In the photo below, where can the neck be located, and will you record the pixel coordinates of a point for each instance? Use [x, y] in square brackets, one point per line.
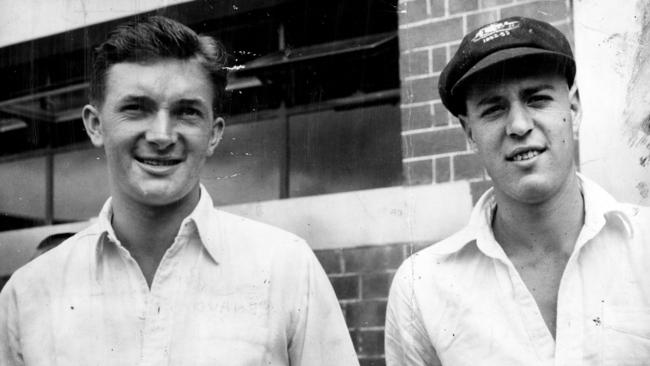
[148, 229]
[549, 226]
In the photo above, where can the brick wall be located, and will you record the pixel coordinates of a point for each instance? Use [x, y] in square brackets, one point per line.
[361, 278]
[434, 145]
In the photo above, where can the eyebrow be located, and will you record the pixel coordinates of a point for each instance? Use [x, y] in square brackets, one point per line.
[144, 99]
[191, 102]
[536, 89]
[491, 99]
[130, 98]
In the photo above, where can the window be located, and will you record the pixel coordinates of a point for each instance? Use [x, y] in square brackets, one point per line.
[313, 107]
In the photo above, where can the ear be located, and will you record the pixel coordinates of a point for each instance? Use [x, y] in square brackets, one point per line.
[216, 132]
[93, 124]
[468, 132]
[576, 109]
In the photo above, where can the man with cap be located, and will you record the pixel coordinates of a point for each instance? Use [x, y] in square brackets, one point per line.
[164, 278]
[550, 270]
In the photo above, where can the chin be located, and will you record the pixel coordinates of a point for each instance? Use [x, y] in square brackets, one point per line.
[532, 190]
[164, 193]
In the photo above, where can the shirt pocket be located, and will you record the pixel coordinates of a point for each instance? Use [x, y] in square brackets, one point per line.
[228, 344]
[626, 335]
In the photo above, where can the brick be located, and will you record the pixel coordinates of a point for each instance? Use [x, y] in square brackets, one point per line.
[438, 59]
[434, 142]
[346, 287]
[443, 169]
[414, 63]
[370, 313]
[467, 166]
[370, 342]
[376, 285]
[455, 121]
[372, 258]
[330, 260]
[418, 172]
[373, 361]
[413, 11]
[461, 6]
[437, 8]
[490, 3]
[416, 117]
[440, 115]
[478, 188]
[548, 11]
[354, 337]
[431, 34]
[452, 50]
[420, 90]
[479, 19]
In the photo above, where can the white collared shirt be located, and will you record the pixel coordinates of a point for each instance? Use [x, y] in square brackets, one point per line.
[462, 302]
[229, 291]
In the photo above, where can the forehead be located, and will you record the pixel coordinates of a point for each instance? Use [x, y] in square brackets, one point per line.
[165, 79]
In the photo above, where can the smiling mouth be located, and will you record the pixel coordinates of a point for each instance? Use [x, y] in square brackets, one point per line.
[158, 162]
[525, 155]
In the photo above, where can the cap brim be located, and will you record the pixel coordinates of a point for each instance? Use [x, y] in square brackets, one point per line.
[502, 56]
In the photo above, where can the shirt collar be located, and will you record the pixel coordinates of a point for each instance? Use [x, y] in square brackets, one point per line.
[600, 209]
[201, 220]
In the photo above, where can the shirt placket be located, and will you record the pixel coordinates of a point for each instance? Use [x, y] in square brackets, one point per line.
[158, 318]
[541, 340]
[569, 331]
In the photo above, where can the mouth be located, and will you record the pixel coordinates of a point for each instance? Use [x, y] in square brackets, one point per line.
[523, 154]
[158, 161]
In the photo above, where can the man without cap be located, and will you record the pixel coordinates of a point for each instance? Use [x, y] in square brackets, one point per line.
[163, 278]
[550, 270]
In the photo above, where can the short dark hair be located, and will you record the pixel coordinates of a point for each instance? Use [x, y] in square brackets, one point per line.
[154, 38]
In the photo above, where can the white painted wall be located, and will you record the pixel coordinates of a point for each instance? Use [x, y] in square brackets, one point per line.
[391, 215]
[612, 40]
[22, 20]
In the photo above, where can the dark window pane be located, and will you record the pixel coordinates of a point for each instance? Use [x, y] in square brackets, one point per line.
[336, 151]
[80, 184]
[22, 192]
[246, 165]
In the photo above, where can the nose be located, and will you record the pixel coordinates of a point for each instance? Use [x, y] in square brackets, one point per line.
[520, 122]
[161, 130]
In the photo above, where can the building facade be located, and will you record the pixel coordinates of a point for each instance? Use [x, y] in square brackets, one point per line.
[335, 131]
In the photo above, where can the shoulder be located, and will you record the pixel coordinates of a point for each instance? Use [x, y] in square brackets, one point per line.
[438, 265]
[255, 231]
[257, 239]
[48, 268]
[442, 253]
[638, 219]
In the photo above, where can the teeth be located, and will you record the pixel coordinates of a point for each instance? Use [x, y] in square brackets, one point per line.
[525, 156]
[159, 162]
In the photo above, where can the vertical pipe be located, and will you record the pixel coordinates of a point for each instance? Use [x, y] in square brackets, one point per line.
[284, 158]
[284, 120]
[49, 187]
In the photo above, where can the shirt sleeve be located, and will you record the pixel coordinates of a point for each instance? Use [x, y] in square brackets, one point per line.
[10, 353]
[321, 336]
[406, 340]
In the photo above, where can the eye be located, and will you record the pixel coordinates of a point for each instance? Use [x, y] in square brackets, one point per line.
[492, 111]
[131, 108]
[190, 112]
[539, 100]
